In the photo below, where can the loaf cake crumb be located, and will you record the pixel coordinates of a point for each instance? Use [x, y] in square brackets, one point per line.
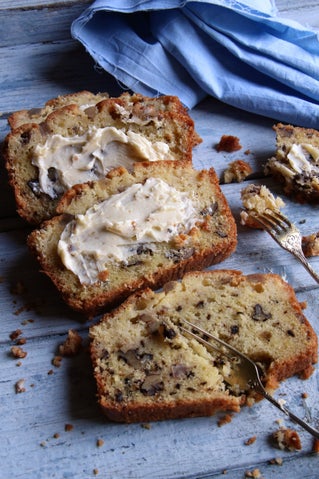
[15, 334]
[18, 352]
[250, 441]
[315, 446]
[310, 244]
[255, 474]
[99, 443]
[278, 461]
[228, 143]
[237, 171]
[56, 361]
[20, 386]
[227, 418]
[287, 438]
[72, 345]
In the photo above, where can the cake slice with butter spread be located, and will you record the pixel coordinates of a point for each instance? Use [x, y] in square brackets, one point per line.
[132, 230]
[78, 143]
[296, 164]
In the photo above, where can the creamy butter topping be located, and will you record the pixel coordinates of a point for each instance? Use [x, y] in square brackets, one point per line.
[66, 161]
[301, 158]
[123, 225]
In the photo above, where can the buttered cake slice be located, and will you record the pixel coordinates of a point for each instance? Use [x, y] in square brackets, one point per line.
[74, 145]
[296, 163]
[132, 230]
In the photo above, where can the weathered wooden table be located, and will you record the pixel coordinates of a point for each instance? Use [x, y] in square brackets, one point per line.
[53, 428]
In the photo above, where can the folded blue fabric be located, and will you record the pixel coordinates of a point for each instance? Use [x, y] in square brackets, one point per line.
[237, 51]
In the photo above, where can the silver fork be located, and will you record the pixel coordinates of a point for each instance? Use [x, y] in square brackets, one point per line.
[286, 234]
[247, 374]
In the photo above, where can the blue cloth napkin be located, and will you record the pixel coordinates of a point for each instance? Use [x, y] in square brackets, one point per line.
[237, 51]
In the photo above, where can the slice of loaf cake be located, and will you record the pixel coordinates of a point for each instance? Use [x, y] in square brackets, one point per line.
[296, 164]
[133, 230]
[147, 369]
[75, 145]
[84, 99]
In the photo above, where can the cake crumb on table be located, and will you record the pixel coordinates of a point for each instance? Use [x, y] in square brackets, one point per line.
[250, 441]
[19, 386]
[228, 143]
[277, 460]
[255, 474]
[56, 361]
[68, 427]
[225, 419]
[237, 171]
[99, 442]
[315, 446]
[15, 334]
[18, 352]
[71, 345]
[286, 438]
[146, 425]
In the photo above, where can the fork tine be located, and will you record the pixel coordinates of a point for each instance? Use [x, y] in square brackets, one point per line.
[279, 216]
[272, 220]
[203, 341]
[267, 222]
[214, 338]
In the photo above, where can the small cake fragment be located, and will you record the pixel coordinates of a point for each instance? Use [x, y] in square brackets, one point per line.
[296, 163]
[71, 345]
[310, 244]
[237, 171]
[287, 438]
[257, 199]
[228, 143]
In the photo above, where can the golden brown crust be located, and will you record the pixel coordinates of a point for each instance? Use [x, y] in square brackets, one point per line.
[212, 241]
[258, 314]
[38, 115]
[128, 112]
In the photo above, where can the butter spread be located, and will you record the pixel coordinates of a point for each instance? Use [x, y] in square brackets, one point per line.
[123, 225]
[301, 158]
[66, 161]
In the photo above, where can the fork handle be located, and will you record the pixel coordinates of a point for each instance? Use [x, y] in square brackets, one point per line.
[307, 265]
[292, 416]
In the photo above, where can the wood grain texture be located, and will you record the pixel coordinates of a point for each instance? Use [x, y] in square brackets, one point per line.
[37, 64]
